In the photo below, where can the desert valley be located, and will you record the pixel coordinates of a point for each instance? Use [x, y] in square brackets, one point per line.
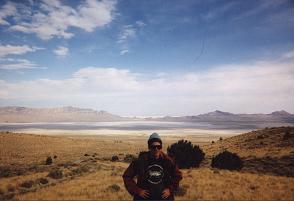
[67, 165]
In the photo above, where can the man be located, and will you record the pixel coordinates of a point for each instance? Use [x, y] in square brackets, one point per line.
[157, 174]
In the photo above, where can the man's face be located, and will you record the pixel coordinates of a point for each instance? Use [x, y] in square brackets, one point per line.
[155, 148]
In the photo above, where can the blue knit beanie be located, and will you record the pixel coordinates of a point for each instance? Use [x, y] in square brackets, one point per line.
[154, 137]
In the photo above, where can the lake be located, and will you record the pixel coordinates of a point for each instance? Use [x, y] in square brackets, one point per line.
[125, 125]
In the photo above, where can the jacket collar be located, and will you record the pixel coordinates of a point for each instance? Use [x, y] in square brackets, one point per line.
[161, 156]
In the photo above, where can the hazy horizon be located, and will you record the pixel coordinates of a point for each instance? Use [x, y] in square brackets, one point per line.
[144, 116]
[148, 58]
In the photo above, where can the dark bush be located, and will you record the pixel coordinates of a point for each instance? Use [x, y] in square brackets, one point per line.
[227, 160]
[10, 188]
[220, 138]
[55, 157]
[80, 170]
[49, 160]
[287, 134]
[33, 167]
[212, 142]
[260, 136]
[66, 164]
[114, 158]
[76, 171]
[43, 181]
[186, 154]
[85, 168]
[55, 174]
[5, 172]
[20, 172]
[27, 184]
[86, 155]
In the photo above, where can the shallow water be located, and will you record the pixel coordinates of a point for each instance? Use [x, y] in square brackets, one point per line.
[136, 127]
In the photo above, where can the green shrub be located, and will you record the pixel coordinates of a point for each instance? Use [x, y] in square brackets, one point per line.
[55, 174]
[80, 170]
[49, 160]
[27, 184]
[5, 172]
[114, 158]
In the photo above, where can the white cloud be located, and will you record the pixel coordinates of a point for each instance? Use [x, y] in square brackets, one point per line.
[263, 86]
[140, 23]
[61, 51]
[123, 52]
[262, 7]
[221, 10]
[16, 49]
[127, 33]
[9, 9]
[107, 80]
[53, 19]
[17, 64]
[289, 55]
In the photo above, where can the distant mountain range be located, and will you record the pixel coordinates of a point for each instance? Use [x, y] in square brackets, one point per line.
[60, 114]
[219, 116]
[74, 114]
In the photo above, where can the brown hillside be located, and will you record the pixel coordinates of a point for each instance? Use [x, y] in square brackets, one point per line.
[269, 150]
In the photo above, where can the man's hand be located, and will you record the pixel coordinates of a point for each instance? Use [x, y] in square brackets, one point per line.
[144, 193]
[165, 193]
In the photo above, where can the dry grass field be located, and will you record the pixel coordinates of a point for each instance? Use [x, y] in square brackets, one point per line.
[83, 170]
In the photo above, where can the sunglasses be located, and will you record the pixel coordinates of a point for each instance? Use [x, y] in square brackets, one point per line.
[156, 147]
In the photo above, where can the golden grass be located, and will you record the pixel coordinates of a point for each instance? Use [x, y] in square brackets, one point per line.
[34, 149]
[201, 184]
[93, 186]
[21, 150]
[207, 184]
[261, 143]
[14, 182]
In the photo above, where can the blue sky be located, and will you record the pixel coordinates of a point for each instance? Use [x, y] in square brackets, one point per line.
[159, 57]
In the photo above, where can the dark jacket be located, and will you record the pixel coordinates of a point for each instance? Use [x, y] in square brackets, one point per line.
[164, 174]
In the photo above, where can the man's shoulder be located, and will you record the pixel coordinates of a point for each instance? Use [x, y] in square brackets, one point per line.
[143, 155]
[168, 158]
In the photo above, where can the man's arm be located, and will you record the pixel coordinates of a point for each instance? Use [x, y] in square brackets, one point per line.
[176, 177]
[128, 178]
